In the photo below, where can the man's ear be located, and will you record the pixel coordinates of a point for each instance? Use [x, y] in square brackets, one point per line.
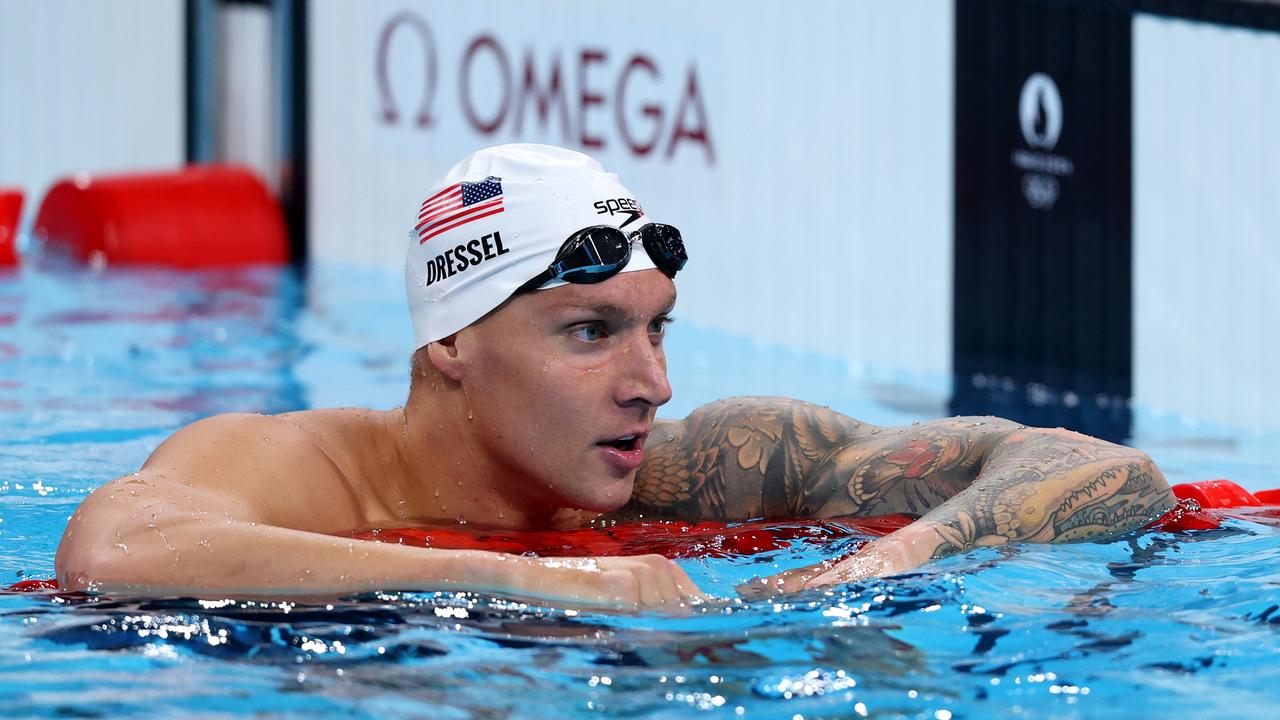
[446, 357]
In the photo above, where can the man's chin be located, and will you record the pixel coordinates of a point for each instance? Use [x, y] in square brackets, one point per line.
[609, 494]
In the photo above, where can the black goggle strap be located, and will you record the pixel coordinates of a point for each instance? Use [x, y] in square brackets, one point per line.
[543, 278]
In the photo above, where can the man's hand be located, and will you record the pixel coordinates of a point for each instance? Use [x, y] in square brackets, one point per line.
[1034, 486]
[899, 552]
[893, 554]
[640, 581]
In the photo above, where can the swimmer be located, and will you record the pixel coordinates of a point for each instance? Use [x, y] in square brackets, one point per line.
[540, 292]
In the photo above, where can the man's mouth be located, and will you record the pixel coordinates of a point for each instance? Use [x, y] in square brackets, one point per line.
[624, 453]
[625, 443]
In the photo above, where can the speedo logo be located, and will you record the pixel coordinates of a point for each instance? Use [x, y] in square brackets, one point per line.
[625, 206]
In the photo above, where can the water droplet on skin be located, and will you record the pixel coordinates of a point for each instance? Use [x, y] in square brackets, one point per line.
[875, 431]
[471, 415]
[462, 520]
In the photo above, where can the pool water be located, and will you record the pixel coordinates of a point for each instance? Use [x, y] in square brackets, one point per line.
[97, 368]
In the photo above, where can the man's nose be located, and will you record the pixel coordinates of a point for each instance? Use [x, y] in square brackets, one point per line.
[644, 374]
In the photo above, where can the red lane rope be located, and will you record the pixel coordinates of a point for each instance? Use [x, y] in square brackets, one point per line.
[10, 214]
[201, 216]
[1201, 506]
[33, 586]
[672, 538]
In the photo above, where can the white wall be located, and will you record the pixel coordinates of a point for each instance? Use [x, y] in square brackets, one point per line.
[1206, 220]
[88, 86]
[824, 219]
[245, 123]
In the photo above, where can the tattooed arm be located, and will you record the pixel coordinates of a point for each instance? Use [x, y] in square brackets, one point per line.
[973, 481]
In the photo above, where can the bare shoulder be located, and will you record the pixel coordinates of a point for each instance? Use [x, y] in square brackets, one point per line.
[273, 469]
[234, 468]
[214, 445]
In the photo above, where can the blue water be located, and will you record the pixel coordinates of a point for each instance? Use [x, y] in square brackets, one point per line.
[97, 368]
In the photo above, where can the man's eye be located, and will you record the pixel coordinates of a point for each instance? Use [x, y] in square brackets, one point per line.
[592, 332]
[659, 325]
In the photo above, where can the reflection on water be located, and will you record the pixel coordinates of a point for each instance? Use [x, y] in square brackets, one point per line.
[990, 630]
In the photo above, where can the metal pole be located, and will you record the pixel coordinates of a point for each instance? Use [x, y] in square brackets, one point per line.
[290, 50]
[201, 28]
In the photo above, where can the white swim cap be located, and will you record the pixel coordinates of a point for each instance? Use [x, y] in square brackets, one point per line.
[495, 221]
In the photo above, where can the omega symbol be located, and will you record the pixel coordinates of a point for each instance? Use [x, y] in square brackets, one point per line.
[390, 113]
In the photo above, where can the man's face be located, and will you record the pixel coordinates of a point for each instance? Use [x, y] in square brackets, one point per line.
[563, 385]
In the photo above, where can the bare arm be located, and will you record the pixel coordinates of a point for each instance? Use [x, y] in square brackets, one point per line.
[974, 481]
[190, 523]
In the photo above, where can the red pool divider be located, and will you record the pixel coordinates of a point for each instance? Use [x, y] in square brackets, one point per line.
[1201, 506]
[672, 538]
[1217, 494]
[34, 586]
[1268, 497]
[198, 217]
[10, 213]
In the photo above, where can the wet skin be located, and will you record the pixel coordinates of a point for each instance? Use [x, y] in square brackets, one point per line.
[534, 417]
[547, 382]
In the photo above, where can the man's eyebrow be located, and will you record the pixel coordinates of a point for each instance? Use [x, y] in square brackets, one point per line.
[611, 310]
[608, 309]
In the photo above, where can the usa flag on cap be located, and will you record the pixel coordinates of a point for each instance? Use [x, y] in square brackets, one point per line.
[457, 205]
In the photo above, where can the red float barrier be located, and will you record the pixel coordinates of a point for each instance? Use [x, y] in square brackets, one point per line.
[34, 586]
[1216, 494]
[672, 538]
[10, 213]
[1202, 506]
[1268, 497]
[198, 217]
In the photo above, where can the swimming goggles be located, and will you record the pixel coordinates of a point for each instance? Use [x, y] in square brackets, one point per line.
[595, 254]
